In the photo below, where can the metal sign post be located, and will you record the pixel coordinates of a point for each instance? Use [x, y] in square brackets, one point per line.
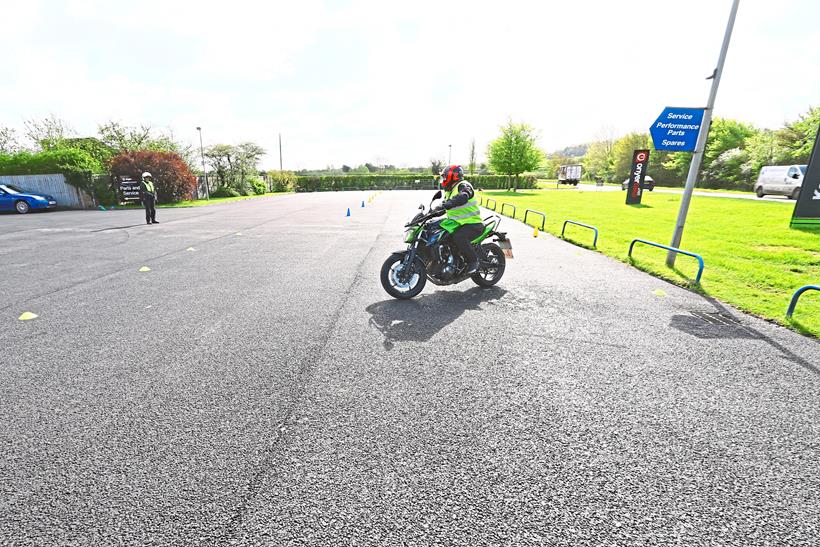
[697, 158]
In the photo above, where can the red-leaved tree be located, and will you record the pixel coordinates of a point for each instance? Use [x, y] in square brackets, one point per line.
[172, 178]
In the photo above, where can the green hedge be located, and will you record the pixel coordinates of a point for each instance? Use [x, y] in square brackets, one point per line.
[390, 182]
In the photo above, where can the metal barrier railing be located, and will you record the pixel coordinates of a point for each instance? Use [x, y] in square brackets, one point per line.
[480, 200]
[487, 203]
[673, 249]
[543, 217]
[506, 205]
[796, 297]
[593, 228]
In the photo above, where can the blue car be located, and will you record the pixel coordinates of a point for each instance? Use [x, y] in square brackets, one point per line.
[14, 199]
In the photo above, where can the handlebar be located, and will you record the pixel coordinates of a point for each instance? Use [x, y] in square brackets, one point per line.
[424, 218]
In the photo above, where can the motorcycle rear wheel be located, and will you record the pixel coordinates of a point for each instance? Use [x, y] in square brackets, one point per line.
[492, 269]
[403, 287]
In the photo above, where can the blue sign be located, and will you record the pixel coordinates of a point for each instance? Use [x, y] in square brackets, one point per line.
[677, 129]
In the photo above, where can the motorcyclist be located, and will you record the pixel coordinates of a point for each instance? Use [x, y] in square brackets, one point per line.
[461, 206]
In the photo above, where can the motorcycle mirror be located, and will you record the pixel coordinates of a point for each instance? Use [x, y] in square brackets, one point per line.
[437, 195]
[421, 206]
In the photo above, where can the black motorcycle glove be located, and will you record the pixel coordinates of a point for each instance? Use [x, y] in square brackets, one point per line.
[439, 210]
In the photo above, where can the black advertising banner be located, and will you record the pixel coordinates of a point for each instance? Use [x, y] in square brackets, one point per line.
[129, 189]
[807, 208]
[640, 163]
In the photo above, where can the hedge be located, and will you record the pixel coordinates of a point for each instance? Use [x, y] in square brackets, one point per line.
[390, 182]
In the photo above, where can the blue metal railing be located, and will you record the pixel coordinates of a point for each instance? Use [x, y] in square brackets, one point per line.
[506, 205]
[487, 203]
[796, 297]
[673, 249]
[543, 217]
[593, 228]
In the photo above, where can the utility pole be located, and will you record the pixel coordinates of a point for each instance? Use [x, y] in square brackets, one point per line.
[204, 171]
[450, 154]
[280, 152]
[697, 158]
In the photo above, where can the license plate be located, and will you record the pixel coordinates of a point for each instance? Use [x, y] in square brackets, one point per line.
[506, 247]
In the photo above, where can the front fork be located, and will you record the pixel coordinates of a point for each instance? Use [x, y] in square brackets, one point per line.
[404, 273]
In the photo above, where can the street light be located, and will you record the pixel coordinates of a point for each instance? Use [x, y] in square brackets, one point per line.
[204, 172]
[449, 154]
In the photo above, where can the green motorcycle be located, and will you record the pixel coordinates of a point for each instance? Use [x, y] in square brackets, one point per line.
[431, 254]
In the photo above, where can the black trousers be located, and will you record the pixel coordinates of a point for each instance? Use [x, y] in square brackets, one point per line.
[462, 238]
[150, 208]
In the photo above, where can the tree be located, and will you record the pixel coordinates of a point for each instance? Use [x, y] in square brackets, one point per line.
[599, 160]
[436, 166]
[93, 146]
[515, 151]
[8, 141]
[346, 169]
[124, 138]
[247, 156]
[622, 150]
[798, 136]
[47, 133]
[220, 157]
[472, 156]
[233, 164]
[172, 178]
[371, 168]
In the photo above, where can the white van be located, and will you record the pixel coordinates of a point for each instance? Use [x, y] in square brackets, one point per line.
[784, 180]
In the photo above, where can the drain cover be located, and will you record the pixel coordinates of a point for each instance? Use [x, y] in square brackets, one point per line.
[716, 318]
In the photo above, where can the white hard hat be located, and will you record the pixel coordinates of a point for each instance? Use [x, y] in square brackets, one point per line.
[146, 175]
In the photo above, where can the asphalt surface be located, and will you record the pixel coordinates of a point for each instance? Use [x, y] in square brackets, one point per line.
[262, 389]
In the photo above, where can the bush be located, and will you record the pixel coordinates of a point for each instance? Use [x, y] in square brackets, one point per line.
[388, 182]
[281, 181]
[172, 178]
[258, 186]
[225, 192]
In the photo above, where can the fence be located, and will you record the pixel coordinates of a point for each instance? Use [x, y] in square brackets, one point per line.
[65, 194]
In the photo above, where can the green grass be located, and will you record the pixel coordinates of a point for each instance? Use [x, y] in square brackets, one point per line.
[201, 202]
[754, 261]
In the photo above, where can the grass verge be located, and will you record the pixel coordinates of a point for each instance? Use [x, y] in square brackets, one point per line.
[754, 261]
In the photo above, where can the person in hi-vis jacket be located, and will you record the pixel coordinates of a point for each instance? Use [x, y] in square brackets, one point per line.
[149, 198]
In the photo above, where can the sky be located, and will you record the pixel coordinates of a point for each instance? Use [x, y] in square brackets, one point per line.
[397, 82]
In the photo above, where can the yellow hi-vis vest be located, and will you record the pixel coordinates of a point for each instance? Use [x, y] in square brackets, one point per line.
[469, 213]
[149, 187]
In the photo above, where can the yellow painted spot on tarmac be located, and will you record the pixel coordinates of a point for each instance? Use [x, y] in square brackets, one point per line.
[659, 292]
[239, 233]
[145, 269]
[190, 249]
[27, 316]
[535, 232]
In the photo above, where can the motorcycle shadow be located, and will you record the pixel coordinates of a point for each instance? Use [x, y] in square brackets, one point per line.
[421, 318]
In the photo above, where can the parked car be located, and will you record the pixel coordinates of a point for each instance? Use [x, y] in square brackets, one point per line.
[569, 174]
[784, 180]
[648, 183]
[14, 199]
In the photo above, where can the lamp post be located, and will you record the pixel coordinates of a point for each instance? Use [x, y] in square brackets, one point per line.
[449, 154]
[204, 172]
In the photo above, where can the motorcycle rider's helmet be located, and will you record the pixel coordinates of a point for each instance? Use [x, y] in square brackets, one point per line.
[146, 175]
[451, 175]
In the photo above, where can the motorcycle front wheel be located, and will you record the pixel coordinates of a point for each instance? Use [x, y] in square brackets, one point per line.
[491, 268]
[403, 284]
